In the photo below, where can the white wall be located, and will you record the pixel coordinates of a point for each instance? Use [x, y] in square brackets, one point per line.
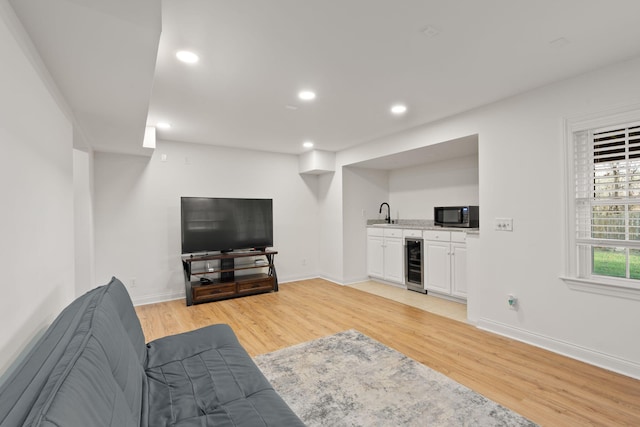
[363, 191]
[521, 175]
[83, 223]
[330, 226]
[36, 188]
[414, 191]
[137, 211]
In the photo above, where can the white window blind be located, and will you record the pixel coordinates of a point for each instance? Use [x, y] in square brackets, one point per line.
[607, 201]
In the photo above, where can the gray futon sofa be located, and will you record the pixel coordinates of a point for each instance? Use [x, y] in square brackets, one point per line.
[92, 368]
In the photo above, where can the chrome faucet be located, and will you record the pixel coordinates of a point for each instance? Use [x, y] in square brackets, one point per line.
[388, 217]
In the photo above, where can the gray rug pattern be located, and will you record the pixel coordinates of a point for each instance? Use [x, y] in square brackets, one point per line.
[349, 379]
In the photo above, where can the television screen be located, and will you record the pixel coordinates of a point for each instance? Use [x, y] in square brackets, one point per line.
[225, 224]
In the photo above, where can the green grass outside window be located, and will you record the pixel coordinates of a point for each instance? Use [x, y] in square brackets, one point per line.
[613, 262]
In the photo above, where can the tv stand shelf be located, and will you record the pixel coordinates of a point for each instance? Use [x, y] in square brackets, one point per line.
[228, 285]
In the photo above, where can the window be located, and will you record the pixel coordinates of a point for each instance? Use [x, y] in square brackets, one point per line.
[604, 205]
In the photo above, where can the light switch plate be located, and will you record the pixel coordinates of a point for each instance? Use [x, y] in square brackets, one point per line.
[504, 224]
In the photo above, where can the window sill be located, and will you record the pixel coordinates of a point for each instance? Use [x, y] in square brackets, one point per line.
[602, 288]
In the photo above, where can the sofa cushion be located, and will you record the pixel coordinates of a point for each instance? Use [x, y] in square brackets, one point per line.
[205, 378]
[91, 366]
[86, 370]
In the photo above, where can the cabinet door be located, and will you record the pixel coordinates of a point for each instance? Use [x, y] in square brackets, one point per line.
[375, 256]
[459, 270]
[438, 266]
[393, 260]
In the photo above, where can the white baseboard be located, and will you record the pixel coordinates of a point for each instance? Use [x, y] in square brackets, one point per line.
[447, 297]
[290, 279]
[592, 357]
[354, 280]
[155, 298]
[330, 279]
[318, 276]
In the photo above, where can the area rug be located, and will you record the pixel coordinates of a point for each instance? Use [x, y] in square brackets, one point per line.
[349, 379]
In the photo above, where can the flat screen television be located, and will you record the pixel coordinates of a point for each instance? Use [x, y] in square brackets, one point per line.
[225, 224]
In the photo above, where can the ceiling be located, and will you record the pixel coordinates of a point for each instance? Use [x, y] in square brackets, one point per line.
[118, 73]
[101, 55]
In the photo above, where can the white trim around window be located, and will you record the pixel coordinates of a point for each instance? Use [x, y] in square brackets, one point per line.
[578, 269]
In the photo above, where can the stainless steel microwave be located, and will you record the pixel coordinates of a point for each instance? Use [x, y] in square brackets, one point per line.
[457, 216]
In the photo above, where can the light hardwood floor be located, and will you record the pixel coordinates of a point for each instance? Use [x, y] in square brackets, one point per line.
[443, 307]
[545, 387]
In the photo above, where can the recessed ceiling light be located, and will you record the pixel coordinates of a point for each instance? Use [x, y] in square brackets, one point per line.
[163, 125]
[186, 56]
[307, 144]
[399, 109]
[307, 95]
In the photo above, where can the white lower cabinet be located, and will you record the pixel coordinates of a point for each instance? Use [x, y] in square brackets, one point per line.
[393, 259]
[446, 262]
[375, 255]
[385, 254]
[437, 266]
[459, 270]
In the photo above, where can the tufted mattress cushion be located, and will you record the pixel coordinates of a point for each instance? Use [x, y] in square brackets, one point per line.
[205, 378]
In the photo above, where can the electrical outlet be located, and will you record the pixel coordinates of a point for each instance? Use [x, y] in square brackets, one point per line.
[512, 301]
[133, 282]
[504, 224]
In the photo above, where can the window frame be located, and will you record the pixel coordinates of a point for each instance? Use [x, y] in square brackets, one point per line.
[578, 269]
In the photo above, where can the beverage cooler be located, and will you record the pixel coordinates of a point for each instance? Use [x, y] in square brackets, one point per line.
[414, 265]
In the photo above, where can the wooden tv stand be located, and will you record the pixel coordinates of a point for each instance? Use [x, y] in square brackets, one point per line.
[227, 284]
